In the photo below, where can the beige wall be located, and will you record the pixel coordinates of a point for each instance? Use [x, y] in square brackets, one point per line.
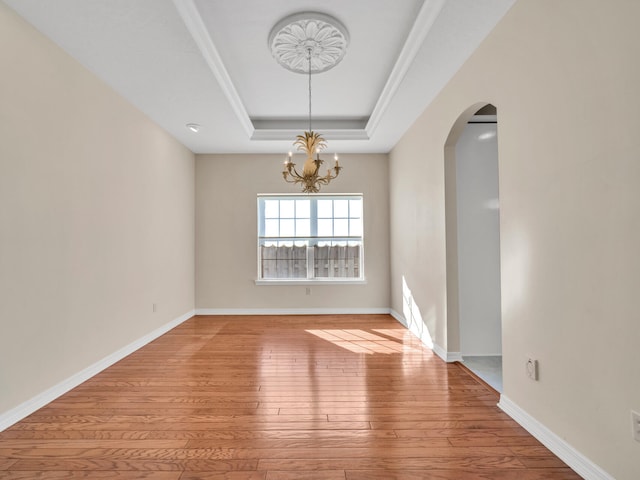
[96, 218]
[564, 76]
[226, 229]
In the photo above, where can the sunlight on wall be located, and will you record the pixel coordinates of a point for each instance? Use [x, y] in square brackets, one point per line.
[413, 317]
[516, 263]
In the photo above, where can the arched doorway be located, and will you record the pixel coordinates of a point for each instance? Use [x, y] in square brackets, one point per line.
[474, 327]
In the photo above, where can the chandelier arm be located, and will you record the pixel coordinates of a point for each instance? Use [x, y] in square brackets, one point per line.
[286, 174]
[328, 177]
[291, 170]
[291, 181]
[325, 180]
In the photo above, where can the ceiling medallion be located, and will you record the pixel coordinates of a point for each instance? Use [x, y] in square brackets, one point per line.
[293, 37]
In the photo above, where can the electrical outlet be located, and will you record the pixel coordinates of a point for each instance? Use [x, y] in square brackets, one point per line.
[532, 369]
[635, 420]
[308, 290]
[154, 307]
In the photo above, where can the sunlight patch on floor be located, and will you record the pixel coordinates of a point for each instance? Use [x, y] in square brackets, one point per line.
[360, 341]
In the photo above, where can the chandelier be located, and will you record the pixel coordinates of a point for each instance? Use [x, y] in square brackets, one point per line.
[317, 42]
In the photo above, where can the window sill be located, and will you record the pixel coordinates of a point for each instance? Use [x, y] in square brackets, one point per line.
[304, 281]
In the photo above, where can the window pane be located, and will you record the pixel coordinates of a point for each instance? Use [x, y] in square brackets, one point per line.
[303, 227]
[295, 218]
[284, 261]
[271, 228]
[325, 227]
[287, 208]
[341, 227]
[303, 208]
[287, 228]
[325, 209]
[341, 208]
[355, 227]
[337, 261]
[271, 208]
[355, 207]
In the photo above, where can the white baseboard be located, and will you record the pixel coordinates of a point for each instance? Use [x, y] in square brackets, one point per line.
[569, 455]
[448, 357]
[292, 311]
[424, 337]
[27, 408]
[398, 317]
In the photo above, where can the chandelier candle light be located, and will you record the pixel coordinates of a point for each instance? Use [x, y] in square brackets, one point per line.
[324, 40]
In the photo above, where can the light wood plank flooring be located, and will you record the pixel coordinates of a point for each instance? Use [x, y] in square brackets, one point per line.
[278, 397]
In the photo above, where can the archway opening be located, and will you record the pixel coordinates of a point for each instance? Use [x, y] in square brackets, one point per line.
[474, 325]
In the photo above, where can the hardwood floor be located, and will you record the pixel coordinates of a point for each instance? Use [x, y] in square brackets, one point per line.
[278, 398]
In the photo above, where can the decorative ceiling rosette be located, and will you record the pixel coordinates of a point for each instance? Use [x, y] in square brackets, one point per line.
[295, 36]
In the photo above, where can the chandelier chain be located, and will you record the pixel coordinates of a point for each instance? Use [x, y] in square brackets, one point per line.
[309, 62]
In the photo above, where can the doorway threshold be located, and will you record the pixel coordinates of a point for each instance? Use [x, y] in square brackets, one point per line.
[487, 368]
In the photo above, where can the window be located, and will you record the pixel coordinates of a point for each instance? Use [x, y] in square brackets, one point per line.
[302, 237]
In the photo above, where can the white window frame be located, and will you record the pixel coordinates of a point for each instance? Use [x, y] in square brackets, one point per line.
[311, 239]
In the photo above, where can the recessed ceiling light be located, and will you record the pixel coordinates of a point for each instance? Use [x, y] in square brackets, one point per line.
[194, 127]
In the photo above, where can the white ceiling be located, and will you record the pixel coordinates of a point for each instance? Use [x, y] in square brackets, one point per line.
[207, 62]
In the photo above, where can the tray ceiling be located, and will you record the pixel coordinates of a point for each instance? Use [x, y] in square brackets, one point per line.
[208, 62]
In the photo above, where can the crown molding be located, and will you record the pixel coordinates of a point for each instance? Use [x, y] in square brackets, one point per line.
[422, 26]
[425, 19]
[328, 134]
[196, 27]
